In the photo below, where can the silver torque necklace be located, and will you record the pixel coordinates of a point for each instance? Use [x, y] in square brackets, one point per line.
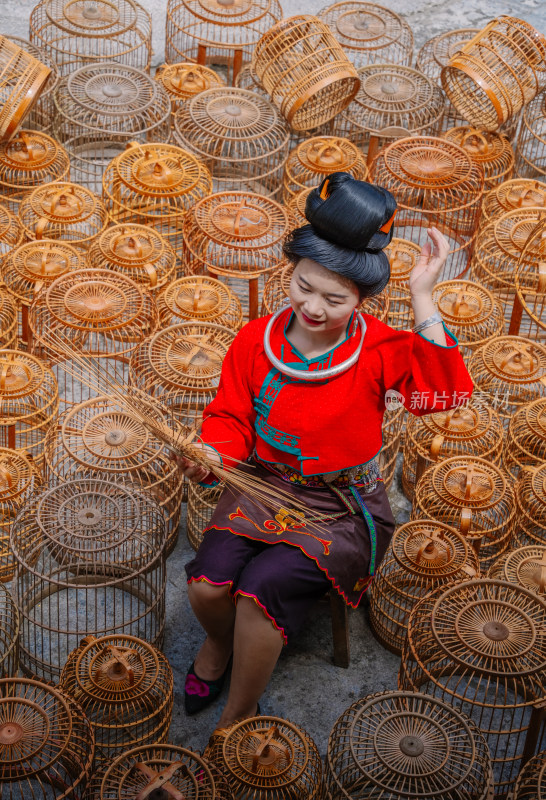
[318, 374]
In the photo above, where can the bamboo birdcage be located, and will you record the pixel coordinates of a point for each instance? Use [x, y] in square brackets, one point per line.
[240, 137]
[20, 479]
[479, 645]
[497, 72]
[100, 108]
[155, 185]
[137, 251]
[30, 159]
[125, 687]
[32, 266]
[99, 438]
[11, 233]
[393, 745]
[184, 80]
[296, 204]
[246, 79]
[202, 501]
[22, 80]
[8, 321]
[526, 437]
[392, 431]
[516, 193]
[79, 32]
[422, 556]
[531, 142]
[40, 117]
[531, 782]
[46, 743]
[29, 402]
[475, 497]
[472, 429]
[369, 33]
[491, 150]
[529, 311]
[304, 69]
[200, 298]
[524, 566]
[275, 294]
[531, 504]
[9, 634]
[315, 158]
[435, 183]
[508, 372]
[403, 256]
[90, 561]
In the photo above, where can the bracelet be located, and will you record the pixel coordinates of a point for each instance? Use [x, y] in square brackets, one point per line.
[432, 320]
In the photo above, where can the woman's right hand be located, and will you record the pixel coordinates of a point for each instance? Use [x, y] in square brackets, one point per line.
[193, 471]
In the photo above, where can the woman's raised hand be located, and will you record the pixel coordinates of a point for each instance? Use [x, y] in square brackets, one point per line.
[432, 258]
[195, 472]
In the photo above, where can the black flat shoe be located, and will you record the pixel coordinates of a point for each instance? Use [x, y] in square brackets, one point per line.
[199, 693]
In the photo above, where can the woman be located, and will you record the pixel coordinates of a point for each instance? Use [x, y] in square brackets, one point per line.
[302, 395]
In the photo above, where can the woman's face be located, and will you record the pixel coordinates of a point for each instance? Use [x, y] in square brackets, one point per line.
[322, 300]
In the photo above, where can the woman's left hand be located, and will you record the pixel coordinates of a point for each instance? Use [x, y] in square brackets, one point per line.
[432, 258]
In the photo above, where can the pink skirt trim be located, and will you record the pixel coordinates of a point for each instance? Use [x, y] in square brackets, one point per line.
[265, 611]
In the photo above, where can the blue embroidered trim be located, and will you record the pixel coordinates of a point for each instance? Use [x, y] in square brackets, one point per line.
[443, 346]
[371, 527]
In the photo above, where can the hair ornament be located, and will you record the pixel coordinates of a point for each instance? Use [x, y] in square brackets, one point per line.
[324, 191]
[388, 224]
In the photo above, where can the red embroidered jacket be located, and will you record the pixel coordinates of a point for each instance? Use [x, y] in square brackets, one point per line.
[336, 423]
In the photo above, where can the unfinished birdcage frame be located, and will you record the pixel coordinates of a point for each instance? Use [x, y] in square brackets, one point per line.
[524, 566]
[20, 479]
[530, 146]
[490, 149]
[202, 501]
[184, 80]
[9, 634]
[531, 505]
[516, 193]
[200, 298]
[529, 310]
[40, 117]
[30, 159]
[8, 321]
[526, 437]
[531, 782]
[23, 79]
[315, 158]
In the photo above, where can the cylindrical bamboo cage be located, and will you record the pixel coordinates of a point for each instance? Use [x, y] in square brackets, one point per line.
[392, 432]
[315, 158]
[40, 117]
[22, 80]
[11, 233]
[9, 634]
[531, 782]
[90, 561]
[99, 438]
[422, 556]
[508, 372]
[125, 687]
[274, 294]
[472, 429]
[526, 437]
[30, 159]
[200, 298]
[394, 745]
[155, 185]
[137, 251]
[184, 80]
[517, 193]
[210, 32]
[8, 321]
[525, 566]
[491, 150]
[529, 311]
[100, 108]
[497, 72]
[369, 33]
[474, 496]
[403, 256]
[304, 69]
[531, 142]
[83, 32]
[46, 743]
[202, 501]
[19, 481]
[29, 268]
[240, 137]
[479, 645]
[531, 505]
[29, 402]
[435, 183]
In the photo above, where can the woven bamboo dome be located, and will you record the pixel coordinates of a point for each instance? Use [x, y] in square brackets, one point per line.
[391, 745]
[529, 311]
[200, 298]
[516, 193]
[526, 437]
[137, 251]
[32, 266]
[435, 183]
[40, 117]
[19, 480]
[155, 185]
[369, 33]
[240, 137]
[90, 561]
[125, 687]
[11, 232]
[315, 158]
[491, 150]
[29, 401]
[422, 556]
[473, 429]
[81, 32]
[102, 107]
[23, 79]
[184, 80]
[531, 782]
[98, 438]
[9, 634]
[403, 256]
[525, 566]
[474, 496]
[531, 142]
[497, 72]
[508, 372]
[8, 321]
[30, 159]
[46, 743]
[392, 432]
[393, 102]
[479, 644]
[531, 504]
[306, 72]
[202, 501]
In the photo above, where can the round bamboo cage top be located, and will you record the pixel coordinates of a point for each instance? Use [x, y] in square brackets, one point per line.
[237, 234]
[491, 150]
[435, 54]
[41, 115]
[137, 251]
[8, 321]
[531, 502]
[200, 298]
[11, 232]
[184, 80]
[63, 210]
[369, 33]
[9, 633]
[23, 79]
[33, 265]
[432, 551]
[472, 312]
[510, 195]
[497, 72]
[125, 687]
[313, 159]
[530, 282]
[305, 71]
[526, 437]
[28, 160]
[391, 745]
[525, 566]
[19, 480]
[46, 742]
[531, 782]
[81, 32]
[531, 141]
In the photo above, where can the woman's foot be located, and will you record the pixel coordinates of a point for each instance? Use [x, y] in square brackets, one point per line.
[205, 678]
[212, 660]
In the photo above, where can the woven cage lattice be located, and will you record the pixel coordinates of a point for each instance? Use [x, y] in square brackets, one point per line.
[19, 480]
[23, 77]
[531, 142]
[529, 311]
[526, 437]
[531, 782]
[516, 193]
[403, 256]
[202, 501]
[200, 298]
[9, 634]
[492, 151]
[525, 566]
[531, 504]
[184, 80]
[8, 321]
[40, 117]
[11, 232]
[315, 158]
[392, 432]
[28, 160]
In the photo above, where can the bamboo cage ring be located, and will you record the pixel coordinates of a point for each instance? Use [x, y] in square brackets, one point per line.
[23, 79]
[40, 117]
[19, 480]
[531, 782]
[525, 566]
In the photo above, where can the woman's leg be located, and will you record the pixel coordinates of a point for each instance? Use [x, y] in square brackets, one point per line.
[215, 610]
